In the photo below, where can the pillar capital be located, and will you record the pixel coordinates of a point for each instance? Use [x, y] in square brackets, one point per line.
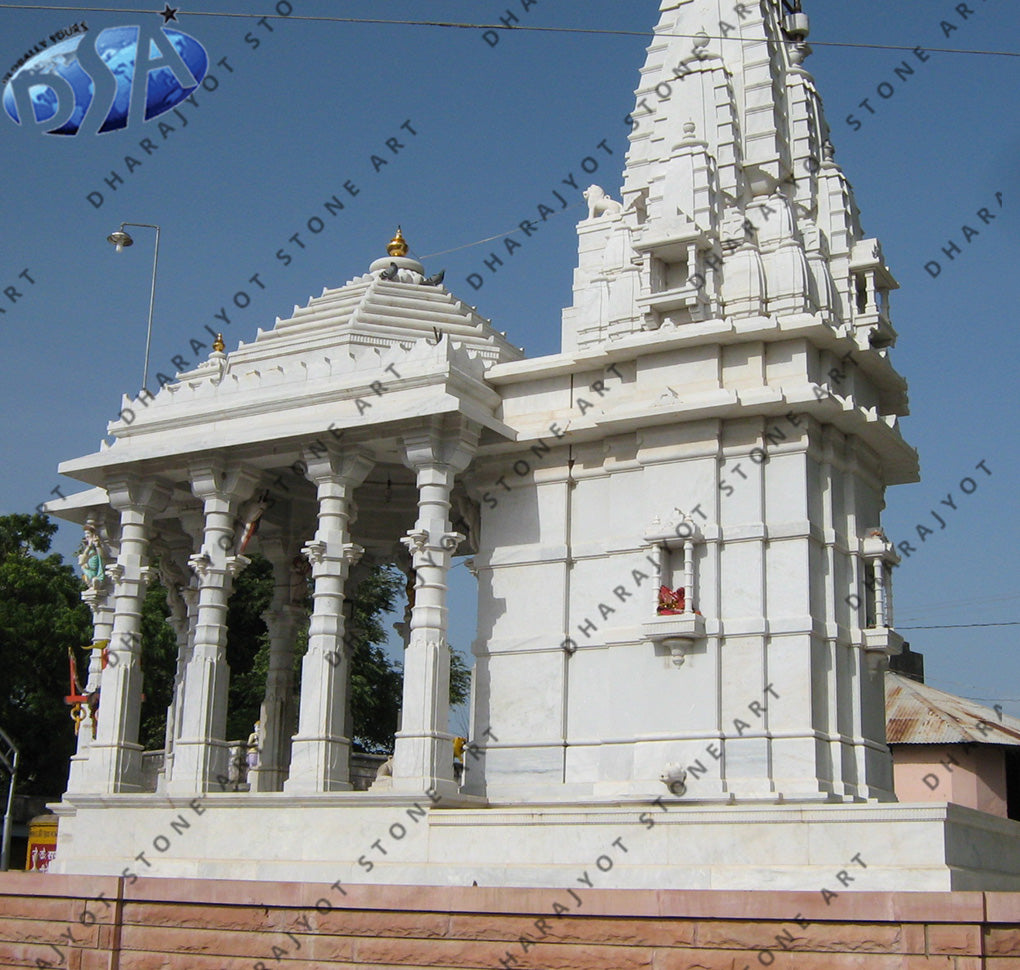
[133, 493]
[333, 465]
[214, 479]
[434, 445]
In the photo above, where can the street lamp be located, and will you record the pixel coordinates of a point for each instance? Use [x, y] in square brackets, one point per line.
[122, 240]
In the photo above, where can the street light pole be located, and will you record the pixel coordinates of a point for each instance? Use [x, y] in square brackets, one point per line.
[9, 760]
[121, 239]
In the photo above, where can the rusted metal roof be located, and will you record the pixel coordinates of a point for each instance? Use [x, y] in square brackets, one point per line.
[918, 714]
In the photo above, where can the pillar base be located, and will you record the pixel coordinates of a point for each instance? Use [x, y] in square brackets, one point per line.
[435, 789]
[111, 768]
[77, 777]
[199, 766]
[266, 779]
[424, 762]
[319, 764]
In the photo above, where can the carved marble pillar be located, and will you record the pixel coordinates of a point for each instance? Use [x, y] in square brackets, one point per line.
[200, 752]
[182, 600]
[98, 594]
[423, 755]
[283, 619]
[183, 627]
[320, 750]
[114, 761]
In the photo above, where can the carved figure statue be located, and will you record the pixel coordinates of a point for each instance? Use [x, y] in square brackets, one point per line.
[93, 703]
[674, 777]
[90, 556]
[254, 743]
[671, 601]
[236, 765]
[599, 203]
[250, 518]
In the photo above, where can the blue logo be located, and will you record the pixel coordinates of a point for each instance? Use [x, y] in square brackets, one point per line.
[107, 76]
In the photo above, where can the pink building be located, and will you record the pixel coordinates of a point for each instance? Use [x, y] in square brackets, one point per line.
[948, 749]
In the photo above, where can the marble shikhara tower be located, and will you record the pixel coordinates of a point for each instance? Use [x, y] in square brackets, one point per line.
[684, 591]
[728, 356]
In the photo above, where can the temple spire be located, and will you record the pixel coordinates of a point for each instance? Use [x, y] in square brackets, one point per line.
[733, 204]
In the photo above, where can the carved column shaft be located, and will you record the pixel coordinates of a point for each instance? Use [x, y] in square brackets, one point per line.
[423, 755]
[99, 598]
[214, 567]
[183, 623]
[200, 752]
[282, 621]
[431, 544]
[114, 763]
[320, 751]
[878, 572]
[688, 576]
[887, 597]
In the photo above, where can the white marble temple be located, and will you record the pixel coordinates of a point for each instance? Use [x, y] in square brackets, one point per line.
[722, 421]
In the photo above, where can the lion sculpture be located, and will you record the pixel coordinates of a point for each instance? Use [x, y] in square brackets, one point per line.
[599, 203]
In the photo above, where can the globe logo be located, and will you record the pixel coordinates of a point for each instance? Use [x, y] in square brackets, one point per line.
[106, 76]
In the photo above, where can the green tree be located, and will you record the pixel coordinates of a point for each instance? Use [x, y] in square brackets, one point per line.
[41, 616]
[376, 681]
[159, 666]
[248, 646]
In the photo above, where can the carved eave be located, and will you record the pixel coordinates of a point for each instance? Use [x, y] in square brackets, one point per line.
[670, 239]
[623, 411]
[79, 507]
[272, 419]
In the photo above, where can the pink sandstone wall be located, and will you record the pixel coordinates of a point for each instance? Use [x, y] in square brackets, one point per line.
[950, 773]
[103, 923]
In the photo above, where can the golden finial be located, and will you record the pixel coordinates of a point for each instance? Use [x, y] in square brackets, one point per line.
[218, 345]
[398, 245]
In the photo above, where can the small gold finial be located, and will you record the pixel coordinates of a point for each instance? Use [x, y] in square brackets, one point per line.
[218, 345]
[398, 245]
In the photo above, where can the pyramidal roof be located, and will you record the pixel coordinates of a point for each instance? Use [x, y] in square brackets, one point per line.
[392, 305]
[336, 348]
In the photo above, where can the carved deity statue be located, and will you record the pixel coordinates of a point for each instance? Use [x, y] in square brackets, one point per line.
[91, 556]
[254, 744]
[670, 601]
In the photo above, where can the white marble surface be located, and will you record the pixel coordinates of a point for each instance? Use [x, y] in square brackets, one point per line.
[921, 847]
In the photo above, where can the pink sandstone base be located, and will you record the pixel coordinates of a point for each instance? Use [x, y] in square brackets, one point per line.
[105, 923]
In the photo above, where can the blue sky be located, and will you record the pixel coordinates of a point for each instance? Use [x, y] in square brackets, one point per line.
[292, 121]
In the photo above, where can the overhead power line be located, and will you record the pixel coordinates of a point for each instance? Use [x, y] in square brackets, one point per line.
[457, 25]
[958, 626]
